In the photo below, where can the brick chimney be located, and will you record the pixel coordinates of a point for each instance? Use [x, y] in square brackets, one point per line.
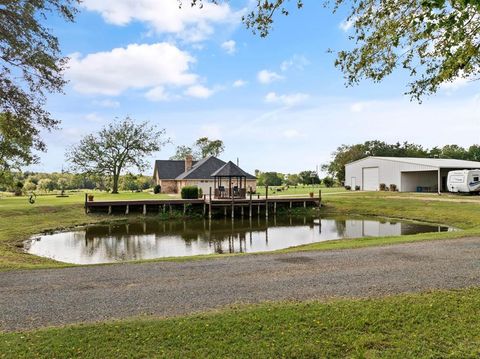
[188, 162]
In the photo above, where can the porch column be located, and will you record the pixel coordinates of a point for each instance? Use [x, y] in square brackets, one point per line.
[439, 179]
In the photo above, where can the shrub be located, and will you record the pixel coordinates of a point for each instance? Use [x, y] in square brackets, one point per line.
[357, 188]
[383, 187]
[328, 182]
[200, 193]
[348, 188]
[190, 192]
[393, 187]
[157, 189]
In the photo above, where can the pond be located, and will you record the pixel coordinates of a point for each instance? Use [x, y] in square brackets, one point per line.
[158, 239]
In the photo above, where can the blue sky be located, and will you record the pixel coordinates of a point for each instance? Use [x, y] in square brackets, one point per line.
[278, 103]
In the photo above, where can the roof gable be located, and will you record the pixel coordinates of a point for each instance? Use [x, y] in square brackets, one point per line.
[169, 169]
[203, 169]
[230, 169]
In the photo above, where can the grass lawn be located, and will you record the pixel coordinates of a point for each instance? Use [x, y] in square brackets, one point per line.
[20, 220]
[429, 325]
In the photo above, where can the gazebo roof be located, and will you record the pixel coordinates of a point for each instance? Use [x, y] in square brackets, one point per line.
[230, 169]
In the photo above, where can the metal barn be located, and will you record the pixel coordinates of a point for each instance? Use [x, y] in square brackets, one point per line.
[408, 174]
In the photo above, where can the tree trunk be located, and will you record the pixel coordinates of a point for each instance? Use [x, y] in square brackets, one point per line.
[115, 183]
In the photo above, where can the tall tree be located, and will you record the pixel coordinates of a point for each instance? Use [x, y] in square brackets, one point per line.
[207, 147]
[181, 152]
[202, 148]
[436, 41]
[119, 146]
[31, 66]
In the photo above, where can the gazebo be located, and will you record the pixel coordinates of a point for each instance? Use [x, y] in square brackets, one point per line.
[230, 181]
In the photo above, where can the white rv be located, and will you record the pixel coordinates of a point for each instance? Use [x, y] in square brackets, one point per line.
[466, 181]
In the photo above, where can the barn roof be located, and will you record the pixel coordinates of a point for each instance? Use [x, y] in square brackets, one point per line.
[430, 162]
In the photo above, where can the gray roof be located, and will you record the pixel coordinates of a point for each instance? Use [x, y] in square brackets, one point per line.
[169, 169]
[433, 162]
[230, 169]
[203, 169]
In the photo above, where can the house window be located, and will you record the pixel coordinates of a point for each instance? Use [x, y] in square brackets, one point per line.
[475, 179]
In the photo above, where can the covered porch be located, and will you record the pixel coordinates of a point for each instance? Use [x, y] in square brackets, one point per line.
[230, 182]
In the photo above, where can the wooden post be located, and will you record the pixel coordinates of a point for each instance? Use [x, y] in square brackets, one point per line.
[290, 204]
[127, 208]
[86, 205]
[204, 208]
[144, 209]
[304, 204]
[184, 209]
[250, 204]
[164, 208]
[319, 198]
[266, 201]
[210, 204]
[274, 207]
[109, 209]
[242, 211]
[225, 211]
[231, 195]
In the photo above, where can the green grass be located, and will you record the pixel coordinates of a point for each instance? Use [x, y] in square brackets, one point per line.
[429, 325]
[19, 220]
[300, 190]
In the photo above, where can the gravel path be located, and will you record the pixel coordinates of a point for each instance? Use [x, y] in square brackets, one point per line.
[31, 299]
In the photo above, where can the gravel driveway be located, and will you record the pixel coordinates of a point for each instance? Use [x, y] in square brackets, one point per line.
[31, 299]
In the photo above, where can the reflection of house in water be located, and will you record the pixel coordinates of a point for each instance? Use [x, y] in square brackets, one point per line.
[223, 237]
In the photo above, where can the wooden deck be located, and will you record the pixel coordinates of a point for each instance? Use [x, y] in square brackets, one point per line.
[239, 207]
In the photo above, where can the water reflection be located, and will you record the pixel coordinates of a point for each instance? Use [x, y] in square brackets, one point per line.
[145, 240]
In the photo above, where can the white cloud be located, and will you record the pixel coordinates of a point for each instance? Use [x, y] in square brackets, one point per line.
[191, 23]
[199, 91]
[94, 117]
[454, 85]
[239, 83]
[229, 47]
[108, 103]
[361, 106]
[296, 61]
[157, 94]
[134, 67]
[291, 133]
[266, 76]
[286, 100]
[346, 24]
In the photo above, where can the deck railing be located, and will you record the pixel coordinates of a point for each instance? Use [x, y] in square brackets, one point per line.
[237, 193]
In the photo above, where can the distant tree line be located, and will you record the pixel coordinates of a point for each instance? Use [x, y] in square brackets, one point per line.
[26, 182]
[291, 179]
[349, 153]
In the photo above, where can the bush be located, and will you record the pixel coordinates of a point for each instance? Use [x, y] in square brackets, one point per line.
[200, 193]
[357, 188]
[157, 189]
[328, 182]
[393, 187]
[190, 192]
[383, 187]
[348, 188]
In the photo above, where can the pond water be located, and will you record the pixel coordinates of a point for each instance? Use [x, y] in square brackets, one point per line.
[149, 239]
